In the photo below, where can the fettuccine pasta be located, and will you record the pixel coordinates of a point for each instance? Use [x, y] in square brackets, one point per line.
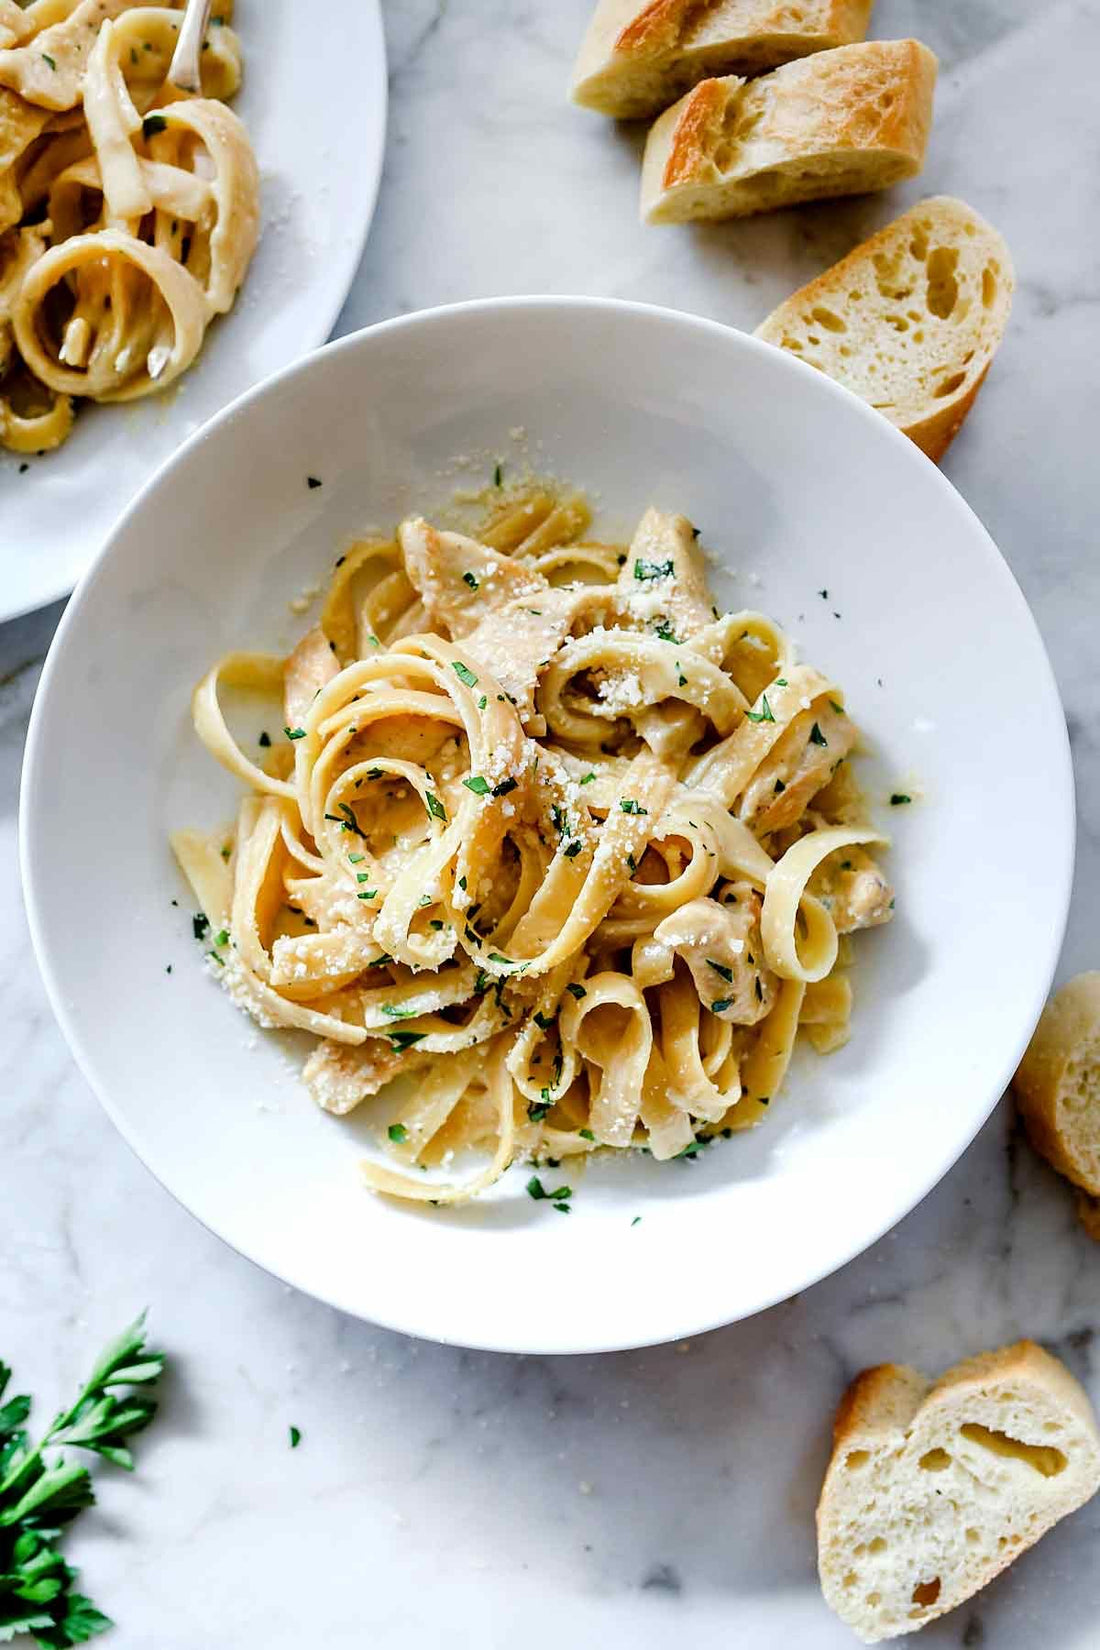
[546, 836]
[129, 211]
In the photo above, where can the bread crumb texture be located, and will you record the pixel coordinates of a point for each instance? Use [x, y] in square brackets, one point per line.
[935, 1487]
[910, 320]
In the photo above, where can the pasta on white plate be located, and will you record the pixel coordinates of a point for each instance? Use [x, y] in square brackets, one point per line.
[546, 833]
[129, 211]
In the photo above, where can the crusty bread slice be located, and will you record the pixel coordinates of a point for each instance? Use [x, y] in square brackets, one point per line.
[1057, 1086]
[910, 320]
[933, 1489]
[639, 56]
[837, 123]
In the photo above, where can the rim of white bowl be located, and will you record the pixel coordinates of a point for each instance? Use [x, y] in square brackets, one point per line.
[815, 1272]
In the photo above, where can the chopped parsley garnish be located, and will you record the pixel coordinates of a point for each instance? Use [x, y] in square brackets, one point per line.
[482, 702]
[477, 784]
[435, 923]
[899, 799]
[666, 635]
[630, 806]
[368, 893]
[152, 124]
[357, 859]
[696, 1146]
[632, 862]
[721, 1005]
[498, 476]
[295, 1437]
[226, 851]
[573, 848]
[396, 1012]
[720, 968]
[759, 989]
[537, 1110]
[683, 680]
[349, 821]
[50, 61]
[653, 570]
[265, 740]
[824, 594]
[434, 806]
[636, 1220]
[425, 899]
[200, 923]
[313, 481]
[764, 714]
[588, 778]
[816, 736]
[576, 990]
[586, 1134]
[779, 787]
[397, 1133]
[404, 1039]
[781, 681]
[295, 733]
[376, 773]
[472, 580]
[537, 1190]
[462, 883]
[504, 787]
[541, 1020]
[362, 876]
[464, 673]
[838, 708]
[506, 962]
[222, 937]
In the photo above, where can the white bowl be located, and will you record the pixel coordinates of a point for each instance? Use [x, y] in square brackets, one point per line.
[802, 490]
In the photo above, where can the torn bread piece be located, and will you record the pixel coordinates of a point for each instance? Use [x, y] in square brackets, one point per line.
[910, 320]
[1057, 1086]
[636, 59]
[935, 1487]
[838, 123]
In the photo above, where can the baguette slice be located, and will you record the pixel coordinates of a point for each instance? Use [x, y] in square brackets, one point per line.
[910, 320]
[836, 123]
[640, 55]
[934, 1488]
[1057, 1086]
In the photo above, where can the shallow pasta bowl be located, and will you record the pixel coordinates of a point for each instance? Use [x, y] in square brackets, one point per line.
[817, 512]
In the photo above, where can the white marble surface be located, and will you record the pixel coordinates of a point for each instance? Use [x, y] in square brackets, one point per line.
[645, 1498]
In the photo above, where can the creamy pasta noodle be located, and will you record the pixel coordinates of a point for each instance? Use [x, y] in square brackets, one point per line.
[129, 211]
[545, 832]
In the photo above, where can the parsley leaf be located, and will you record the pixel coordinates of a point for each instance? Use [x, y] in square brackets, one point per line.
[152, 124]
[464, 673]
[397, 1133]
[404, 1039]
[295, 1437]
[720, 968]
[653, 569]
[434, 806]
[816, 736]
[630, 806]
[764, 714]
[472, 580]
[295, 733]
[477, 784]
[576, 990]
[899, 799]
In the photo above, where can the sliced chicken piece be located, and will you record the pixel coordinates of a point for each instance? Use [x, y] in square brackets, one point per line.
[663, 575]
[796, 767]
[514, 642]
[460, 580]
[853, 890]
[339, 1077]
[306, 672]
[722, 947]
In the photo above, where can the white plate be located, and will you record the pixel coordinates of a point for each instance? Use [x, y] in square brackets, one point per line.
[320, 159]
[799, 487]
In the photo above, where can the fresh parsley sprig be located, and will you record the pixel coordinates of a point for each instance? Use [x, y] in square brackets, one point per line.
[41, 1492]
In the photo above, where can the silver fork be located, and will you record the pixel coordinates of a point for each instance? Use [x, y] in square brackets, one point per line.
[184, 70]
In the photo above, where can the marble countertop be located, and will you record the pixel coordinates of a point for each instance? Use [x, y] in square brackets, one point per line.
[641, 1498]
